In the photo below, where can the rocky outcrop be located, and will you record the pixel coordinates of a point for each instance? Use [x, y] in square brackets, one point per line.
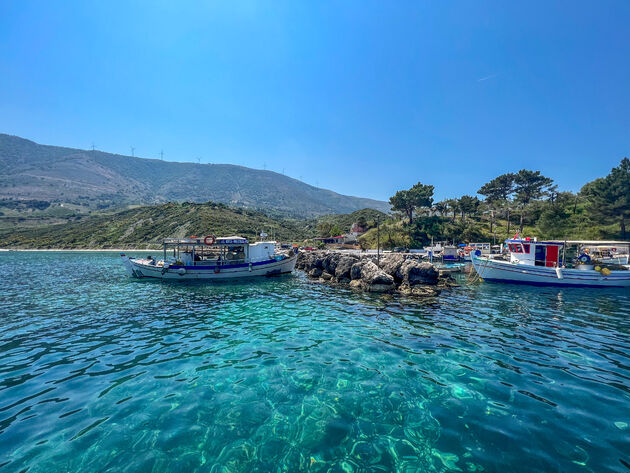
[395, 273]
[374, 279]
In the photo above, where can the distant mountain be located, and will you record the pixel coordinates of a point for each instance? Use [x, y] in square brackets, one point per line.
[95, 179]
[144, 227]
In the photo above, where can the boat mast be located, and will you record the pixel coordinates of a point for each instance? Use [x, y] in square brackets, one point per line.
[564, 253]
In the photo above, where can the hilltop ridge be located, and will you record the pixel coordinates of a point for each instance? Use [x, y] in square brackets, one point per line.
[96, 179]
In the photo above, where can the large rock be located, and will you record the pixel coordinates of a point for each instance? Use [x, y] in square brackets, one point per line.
[374, 279]
[307, 260]
[315, 272]
[391, 265]
[355, 270]
[330, 262]
[412, 272]
[318, 260]
[300, 262]
[344, 267]
[408, 276]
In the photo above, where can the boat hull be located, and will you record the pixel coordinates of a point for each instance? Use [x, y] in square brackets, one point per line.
[506, 272]
[142, 269]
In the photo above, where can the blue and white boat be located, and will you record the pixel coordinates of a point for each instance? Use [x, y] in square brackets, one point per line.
[212, 258]
[541, 263]
[450, 254]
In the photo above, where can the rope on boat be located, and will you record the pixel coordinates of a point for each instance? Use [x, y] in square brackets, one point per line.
[476, 277]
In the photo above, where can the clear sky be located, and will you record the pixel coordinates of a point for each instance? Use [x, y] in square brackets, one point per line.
[362, 97]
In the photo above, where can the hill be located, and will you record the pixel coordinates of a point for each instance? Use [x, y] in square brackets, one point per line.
[147, 226]
[95, 179]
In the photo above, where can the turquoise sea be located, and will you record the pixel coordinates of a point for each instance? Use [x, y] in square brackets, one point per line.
[99, 372]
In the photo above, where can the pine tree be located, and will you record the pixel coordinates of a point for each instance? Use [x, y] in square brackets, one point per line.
[408, 201]
[498, 192]
[529, 186]
[608, 198]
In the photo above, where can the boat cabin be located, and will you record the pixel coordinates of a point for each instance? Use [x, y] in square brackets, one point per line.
[210, 251]
[450, 253]
[535, 253]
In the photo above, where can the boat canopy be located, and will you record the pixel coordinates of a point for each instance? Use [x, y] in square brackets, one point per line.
[233, 240]
[595, 242]
[529, 240]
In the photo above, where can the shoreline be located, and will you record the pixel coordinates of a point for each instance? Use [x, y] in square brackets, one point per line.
[118, 250]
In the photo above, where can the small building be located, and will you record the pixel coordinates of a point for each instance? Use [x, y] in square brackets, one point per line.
[336, 240]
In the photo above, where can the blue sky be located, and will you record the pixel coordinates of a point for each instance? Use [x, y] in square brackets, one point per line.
[362, 97]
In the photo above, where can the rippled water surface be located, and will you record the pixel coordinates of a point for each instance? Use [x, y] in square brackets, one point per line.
[102, 373]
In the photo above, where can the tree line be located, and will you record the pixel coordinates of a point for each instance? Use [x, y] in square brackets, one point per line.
[525, 201]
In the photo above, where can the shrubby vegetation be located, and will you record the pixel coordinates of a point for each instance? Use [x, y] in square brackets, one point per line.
[526, 202]
[332, 225]
[146, 227]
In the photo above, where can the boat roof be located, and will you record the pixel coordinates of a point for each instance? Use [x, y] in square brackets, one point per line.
[523, 240]
[570, 242]
[596, 242]
[231, 240]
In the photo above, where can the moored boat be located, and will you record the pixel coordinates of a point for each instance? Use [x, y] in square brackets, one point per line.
[466, 250]
[212, 258]
[450, 254]
[542, 263]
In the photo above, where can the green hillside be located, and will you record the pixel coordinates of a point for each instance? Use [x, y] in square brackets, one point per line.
[92, 180]
[146, 226]
[345, 221]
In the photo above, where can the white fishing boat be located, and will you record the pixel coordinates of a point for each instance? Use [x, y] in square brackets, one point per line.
[609, 254]
[212, 258]
[542, 263]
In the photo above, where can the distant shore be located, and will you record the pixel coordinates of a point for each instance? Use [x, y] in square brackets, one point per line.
[118, 250]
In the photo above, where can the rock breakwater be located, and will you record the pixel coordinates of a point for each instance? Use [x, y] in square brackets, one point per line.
[396, 273]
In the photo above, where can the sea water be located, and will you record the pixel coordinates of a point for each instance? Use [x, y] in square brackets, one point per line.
[100, 372]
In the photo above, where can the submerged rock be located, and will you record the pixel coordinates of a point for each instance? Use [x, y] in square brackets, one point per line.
[419, 290]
